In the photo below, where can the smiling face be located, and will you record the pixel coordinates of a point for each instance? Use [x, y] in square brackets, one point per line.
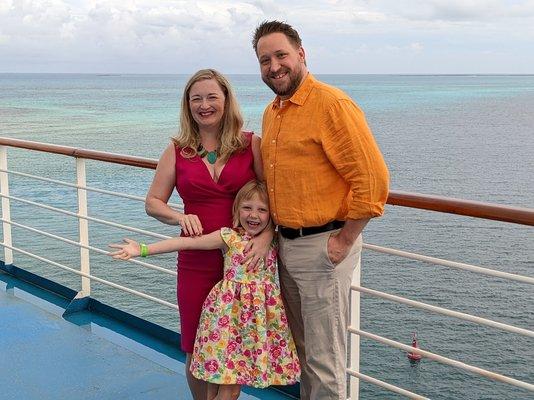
[253, 215]
[206, 103]
[282, 64]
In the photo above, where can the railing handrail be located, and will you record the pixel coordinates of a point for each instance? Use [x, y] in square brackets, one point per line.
[115, 158]
[470, 208]
[477, 209]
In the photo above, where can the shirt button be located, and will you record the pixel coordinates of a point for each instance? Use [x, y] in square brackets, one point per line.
[278, 116]
[274, 214]
[272, 165]
[273, 141]
[272, 190]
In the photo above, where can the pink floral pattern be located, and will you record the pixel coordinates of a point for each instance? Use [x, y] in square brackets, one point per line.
[243, 336]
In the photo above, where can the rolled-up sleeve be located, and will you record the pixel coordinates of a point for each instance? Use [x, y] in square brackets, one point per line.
[352, 150]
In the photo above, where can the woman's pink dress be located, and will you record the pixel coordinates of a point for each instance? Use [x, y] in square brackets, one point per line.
[200, 270]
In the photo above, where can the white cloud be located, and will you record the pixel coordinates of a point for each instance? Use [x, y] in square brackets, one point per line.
[177, 36]
[457, 10]
[5, 6]
[369, 16]
[416, 47]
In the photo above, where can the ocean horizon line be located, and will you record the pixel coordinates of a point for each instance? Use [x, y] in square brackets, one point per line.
[104, 74]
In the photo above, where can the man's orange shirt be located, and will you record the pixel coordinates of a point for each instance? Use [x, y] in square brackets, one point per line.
[320, 159]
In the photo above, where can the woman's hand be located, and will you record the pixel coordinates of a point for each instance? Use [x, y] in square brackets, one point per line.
[190, 224]
[126, 250]
[257, 248]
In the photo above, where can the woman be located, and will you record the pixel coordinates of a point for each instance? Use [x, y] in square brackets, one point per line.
[208, 162]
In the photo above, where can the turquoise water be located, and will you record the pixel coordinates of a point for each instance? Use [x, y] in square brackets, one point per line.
[470, 137]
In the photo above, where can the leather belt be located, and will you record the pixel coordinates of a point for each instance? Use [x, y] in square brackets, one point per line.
[291, 233]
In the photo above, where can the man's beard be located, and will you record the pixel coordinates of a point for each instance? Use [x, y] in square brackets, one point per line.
[294, 81]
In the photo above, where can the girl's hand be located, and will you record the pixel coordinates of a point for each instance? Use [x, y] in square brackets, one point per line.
[127, 250]
[257, 248]
[190, 224]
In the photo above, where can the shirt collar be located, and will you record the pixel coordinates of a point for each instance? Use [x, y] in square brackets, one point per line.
[300, 96]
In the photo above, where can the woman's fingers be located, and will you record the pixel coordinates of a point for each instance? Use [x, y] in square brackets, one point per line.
[191, 225]
[186, 226]
[197, 226]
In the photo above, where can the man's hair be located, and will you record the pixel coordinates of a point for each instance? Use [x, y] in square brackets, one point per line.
[268, 27]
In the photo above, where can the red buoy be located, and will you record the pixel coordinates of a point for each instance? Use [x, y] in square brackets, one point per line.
[414, 356]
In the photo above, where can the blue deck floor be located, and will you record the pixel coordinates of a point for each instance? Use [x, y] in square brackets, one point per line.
[44, 356]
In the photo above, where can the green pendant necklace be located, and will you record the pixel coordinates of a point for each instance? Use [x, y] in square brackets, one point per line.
[211, 156]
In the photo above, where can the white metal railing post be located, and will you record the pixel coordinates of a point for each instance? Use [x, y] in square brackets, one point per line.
[6, 211]
[83, 226]
[354, 355]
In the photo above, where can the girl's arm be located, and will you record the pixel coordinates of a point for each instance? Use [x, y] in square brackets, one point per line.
[131, 248]
[160, 191]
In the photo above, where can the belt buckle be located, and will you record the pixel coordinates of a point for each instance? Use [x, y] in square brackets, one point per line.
[300, 232]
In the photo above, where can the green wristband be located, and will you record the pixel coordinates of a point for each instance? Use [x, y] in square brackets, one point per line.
[143, 250]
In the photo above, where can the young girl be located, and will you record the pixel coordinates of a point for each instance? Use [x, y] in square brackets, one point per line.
[243, 337]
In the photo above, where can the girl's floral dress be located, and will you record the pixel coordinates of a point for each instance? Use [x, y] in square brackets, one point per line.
[243, 336]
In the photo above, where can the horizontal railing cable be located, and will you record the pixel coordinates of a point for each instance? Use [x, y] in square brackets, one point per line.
[385, 385]
[178, 207]
[445, 311]
[95, 249]
[444, 360]
[93, 278]
[451, 264]
[97, 220]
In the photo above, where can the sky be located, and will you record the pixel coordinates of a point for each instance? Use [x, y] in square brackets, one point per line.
[339, 36]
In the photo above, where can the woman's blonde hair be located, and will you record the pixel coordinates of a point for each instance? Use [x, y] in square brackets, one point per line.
[247, 192]
[231, 137]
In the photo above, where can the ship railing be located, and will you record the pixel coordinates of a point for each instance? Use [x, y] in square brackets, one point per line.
[80, 186]
[434, 203]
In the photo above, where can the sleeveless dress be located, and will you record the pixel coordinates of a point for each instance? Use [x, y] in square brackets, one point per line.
[243, 336]
[200, 270]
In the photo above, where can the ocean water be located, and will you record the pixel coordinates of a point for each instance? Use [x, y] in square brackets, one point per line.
[469, 137]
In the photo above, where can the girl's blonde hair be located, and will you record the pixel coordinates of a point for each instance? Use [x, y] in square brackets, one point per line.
[230, 135]
[247, 192]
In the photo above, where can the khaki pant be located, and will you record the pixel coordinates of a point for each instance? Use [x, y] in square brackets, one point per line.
[316, 295]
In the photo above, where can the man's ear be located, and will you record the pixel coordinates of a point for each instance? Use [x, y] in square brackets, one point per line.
[302, 54]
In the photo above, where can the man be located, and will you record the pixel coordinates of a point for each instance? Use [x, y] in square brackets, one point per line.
[326, 178]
